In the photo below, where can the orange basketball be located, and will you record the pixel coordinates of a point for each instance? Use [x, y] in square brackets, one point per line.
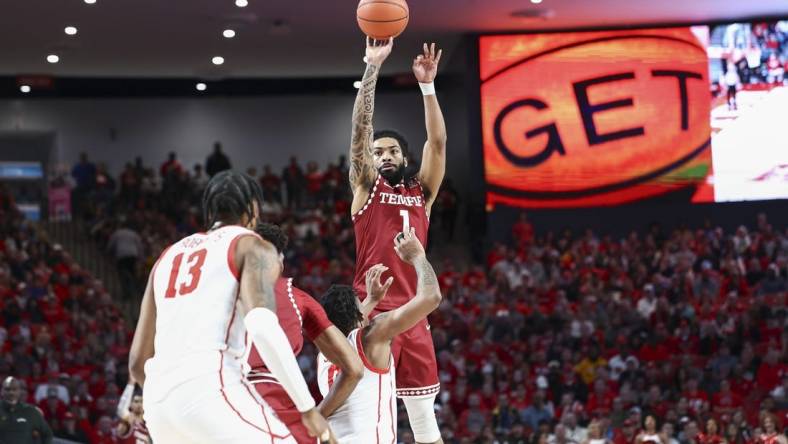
[381, 19]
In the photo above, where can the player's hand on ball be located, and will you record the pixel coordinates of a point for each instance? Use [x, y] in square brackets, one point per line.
[378, 50]
[425, 65]
[317, 426]
[408, 246]
[375, 289]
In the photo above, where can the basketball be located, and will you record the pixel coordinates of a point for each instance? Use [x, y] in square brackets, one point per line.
[381, 19]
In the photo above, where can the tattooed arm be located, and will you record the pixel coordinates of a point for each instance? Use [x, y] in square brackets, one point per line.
[259, 265]
[362, 172]
[384, 327]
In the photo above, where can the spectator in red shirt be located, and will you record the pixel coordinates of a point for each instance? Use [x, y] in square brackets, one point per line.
[104, 433]
[627, 433]
[314, 181]
[770, 372]
[726, 401]
[694, 396]
[712, 434]
[271, 184]
[171, 167]
[523, 231]
[53, 408]
[600, 402]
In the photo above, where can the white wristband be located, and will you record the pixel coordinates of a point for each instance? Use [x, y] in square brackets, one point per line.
[427, 89]
[273, 346]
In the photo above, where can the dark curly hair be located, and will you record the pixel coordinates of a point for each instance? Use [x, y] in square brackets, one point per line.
[228, 196]
[341, 308]
[274, 234]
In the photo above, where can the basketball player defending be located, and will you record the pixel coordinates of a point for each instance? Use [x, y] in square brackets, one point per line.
[370, 413]
[299, 311]
[391, 196]
[204, 294]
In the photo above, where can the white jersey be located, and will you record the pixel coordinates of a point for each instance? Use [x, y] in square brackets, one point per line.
[370, 413]
[199, 330]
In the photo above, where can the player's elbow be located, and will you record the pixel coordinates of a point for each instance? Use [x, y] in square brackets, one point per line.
[434, 297]
[136, 368]
[438, 143]
[354, 369]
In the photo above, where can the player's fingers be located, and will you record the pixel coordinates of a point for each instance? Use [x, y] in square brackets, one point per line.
[388, 283]
[432, 50]
[425, 50]
[438, 57]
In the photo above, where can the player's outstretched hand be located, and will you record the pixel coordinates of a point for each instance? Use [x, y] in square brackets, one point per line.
[317, 426]
[378, 50]
[375, 289]
[408, 246]
[425, 65]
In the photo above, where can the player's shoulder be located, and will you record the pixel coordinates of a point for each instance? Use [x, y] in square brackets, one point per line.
[302, 297]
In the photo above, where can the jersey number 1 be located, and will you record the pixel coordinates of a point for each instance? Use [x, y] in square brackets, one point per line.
[405, 220]
[196, 260]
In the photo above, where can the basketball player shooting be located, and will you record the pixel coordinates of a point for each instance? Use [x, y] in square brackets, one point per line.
[370, 413]
[204, 295]
[391, 195]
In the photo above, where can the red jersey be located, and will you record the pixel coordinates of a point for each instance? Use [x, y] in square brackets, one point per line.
[296, 310]
[137, 434]
[388, 211]
[774, 438]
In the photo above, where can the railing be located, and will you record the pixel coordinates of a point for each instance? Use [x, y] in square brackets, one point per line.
[75, 238]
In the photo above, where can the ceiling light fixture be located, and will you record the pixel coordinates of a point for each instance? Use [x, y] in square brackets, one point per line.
[217, 60]
[25, 88]
[240, 3]
[228, 33]
[71, 30]
[357, 84]
[536, 2]
[201, 86]
[90, 2]
[53, 58]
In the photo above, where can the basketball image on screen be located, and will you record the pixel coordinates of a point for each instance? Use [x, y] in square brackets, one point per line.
[747, 64]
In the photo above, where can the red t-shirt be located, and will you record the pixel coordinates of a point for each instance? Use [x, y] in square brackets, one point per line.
[696, 399]
[769, 376]
[600, 404]
[703, 438]
[314, 182]
[523, 232]
[726, 400]
[296, 310]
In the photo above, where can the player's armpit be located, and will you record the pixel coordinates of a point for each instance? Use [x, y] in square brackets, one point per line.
[142, 344]
[259, 263]
[336, 348]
